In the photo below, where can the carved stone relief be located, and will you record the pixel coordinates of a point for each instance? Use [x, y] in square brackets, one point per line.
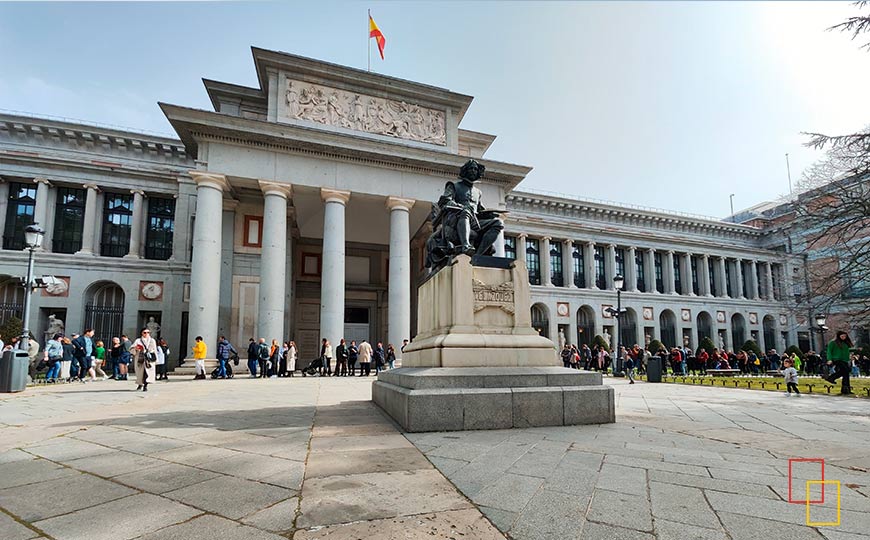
[499, 296]
[332, 107]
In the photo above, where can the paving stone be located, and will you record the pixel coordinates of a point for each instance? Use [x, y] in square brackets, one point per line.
[541, 459]
[342, 499]
[365, 461]
[599, 531]
[620, 509]
[143, 513]
[672, 530]
[18, 473]
[622, 479]
[373, 443]
[715, 484]
[60, 496]
[459, 450]
[442, 525]
[211, 528]
[681, 504]
[13, 455]
[757, 507]
[229, 496]
[509, 492]
[749, 477]
[276, 518]
[266, 469]
[650, 464]
[165, 477]
[12, 530]
[349, 431]
[195, 454]
[548, 515]
[743, 527]
[118, 462]
[65, 449]
[447, 466]
[576, 473]
[502, 519]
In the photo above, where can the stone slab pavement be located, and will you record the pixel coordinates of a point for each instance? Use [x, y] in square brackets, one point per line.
[314, 459]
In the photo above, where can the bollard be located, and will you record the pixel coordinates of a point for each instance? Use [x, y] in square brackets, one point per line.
[828, 388]
[749, 385]
[777, 386]
[735, 383]
[810, 388]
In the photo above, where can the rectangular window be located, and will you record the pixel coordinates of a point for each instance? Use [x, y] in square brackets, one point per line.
[713, 289]
[19, 214]
[774, 274]
[600, 273]
[620, 262]
[510, 247]
[729, 288]
[161, 226]
[533, 261]
[660, 282]
[640, 271]
[744, 286]
[579, 267]
[69, 220]
[117, 220]
[253, 231]
[693, 262]
[678, 276]
[556, 277]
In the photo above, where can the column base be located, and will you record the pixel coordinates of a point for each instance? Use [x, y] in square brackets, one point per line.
[86, 253]
[131, 256]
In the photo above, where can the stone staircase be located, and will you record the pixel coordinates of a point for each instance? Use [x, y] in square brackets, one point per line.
[189, 368]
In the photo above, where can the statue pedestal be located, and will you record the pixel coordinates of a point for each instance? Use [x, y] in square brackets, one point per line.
[477, 363]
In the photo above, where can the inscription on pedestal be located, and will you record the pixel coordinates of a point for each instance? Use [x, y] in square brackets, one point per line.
[500, 296]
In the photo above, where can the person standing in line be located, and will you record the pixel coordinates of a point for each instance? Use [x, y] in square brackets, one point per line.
[54, 352]
[145, 356]
[263, 357]
[76, 370]
[365, 358]
[282, 370]
[68, 359]
[565, 354]
[628, 366]
[126, 355]
[163, 348]
[115, 356]
[840, 356]
[378, 358]
[391, 356]
[326, 357]
[791, 377]
[274, 359]
[200, 349]
[159, 363]
[224, 349]
[100, 360]
[352, 357]
[252, 358]
[291, 358]
[341, 359]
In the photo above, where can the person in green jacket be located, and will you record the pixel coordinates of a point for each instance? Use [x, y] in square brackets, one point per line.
[838, 353]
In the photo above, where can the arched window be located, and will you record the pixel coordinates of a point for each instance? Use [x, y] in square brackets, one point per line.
[104, 310]
[540, 320]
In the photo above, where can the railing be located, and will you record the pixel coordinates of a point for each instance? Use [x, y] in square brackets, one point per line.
[132, 131]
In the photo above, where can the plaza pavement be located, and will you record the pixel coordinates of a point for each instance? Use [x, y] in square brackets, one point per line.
[314, 459]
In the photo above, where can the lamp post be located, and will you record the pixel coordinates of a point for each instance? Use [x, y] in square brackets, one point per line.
[618, 282]
[820, 323]
[33, 235]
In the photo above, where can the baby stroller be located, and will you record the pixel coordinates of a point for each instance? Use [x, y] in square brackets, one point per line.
[312, 368]
[214, 372]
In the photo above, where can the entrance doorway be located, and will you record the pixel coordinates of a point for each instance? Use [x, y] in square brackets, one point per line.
[356, 324]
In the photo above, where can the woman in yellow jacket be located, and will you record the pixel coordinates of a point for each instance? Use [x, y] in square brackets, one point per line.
[199, 351]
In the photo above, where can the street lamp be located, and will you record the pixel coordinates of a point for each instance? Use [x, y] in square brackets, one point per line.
[820, 323]
[618, 282]
[33, 235]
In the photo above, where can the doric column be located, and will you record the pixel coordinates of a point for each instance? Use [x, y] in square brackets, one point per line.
[205, 264]
[704, 276]
[89, 227]
[722, 276]
[499, 252]
[738, 266]
[568, 264]
[589, 261]
[273, 261]
[768, 280]
[753, 280]
[332, 274]
[610, 267]
[400, 272]
[40, 209]
[545, 262]
[521, 248]
[649, 270]
[136, 224]
[630, 269]
[688, 288]
[668, 273]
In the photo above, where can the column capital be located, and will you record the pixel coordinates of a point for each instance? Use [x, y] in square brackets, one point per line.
[671, 252]
[209, 179]
[522, 236]
[91, 186]
[276, 188]
[398, 203]
[590, 243]
[335, 195]
[137, 192]
[42, 180]
[568, 242]
[546, 238]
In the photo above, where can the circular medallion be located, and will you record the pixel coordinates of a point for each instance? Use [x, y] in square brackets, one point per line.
[57, 288]
[562, 310]
[152, 291]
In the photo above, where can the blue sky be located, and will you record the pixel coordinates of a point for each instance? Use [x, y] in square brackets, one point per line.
[672, 105]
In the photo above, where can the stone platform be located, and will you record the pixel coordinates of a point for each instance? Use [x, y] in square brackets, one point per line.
[453, 399]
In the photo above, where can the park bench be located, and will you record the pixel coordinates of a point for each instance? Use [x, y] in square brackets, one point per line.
[723, 372]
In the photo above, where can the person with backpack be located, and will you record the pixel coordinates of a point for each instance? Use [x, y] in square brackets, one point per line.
[54, 354]
[224, 349]
[263, 354]
[252, 357]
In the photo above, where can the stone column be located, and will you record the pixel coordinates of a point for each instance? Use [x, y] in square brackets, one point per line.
[723, 280]
[4, 205]
[89, 227]
[738, 266]
[332, 274]
[610, 267]
[753, 280]
[545, 262]
[136, 225]
[649, 270]
[687, 275]
[521, 248]
[630, 270]
[40, 209]
[768, 280]
[273, 261]
[205, 264]
[400, 272]
[589, 261]
[704, 276]
[499, 252]
[668, 273]
[568, 264]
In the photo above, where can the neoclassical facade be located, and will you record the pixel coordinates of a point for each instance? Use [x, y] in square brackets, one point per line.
[297, 210]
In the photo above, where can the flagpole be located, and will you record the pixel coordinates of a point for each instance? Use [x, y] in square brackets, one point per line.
[369, 39]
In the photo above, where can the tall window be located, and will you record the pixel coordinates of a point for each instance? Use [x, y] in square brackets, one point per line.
[774, 274]
[556, 277]
[728, 287]
[678, 276]
[533, 261]
[510, 247]
[640, 271]
[693, 262]
[600, 274]
[657, 263]
[161, 225]
[19, 214]
[117, 219]
[713, 289]
[69, 220]
[620, 261]
[579, 267]
[762, 289]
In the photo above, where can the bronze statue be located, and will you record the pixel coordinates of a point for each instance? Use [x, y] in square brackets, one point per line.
[460, 223]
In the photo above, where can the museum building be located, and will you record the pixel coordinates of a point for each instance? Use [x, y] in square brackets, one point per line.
[298, 210]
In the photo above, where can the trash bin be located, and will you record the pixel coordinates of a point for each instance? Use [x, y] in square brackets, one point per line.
[620, 368]
[13, 371]
[654, 369]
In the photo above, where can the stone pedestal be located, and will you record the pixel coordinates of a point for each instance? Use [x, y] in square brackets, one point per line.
[477, 363]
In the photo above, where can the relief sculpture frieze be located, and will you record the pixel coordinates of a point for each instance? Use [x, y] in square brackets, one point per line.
[349, 110]
[499, 296]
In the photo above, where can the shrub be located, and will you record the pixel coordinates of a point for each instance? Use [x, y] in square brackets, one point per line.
[794, 349]
[708, 345]
[751, 345]
[11, 328]
[601, 342]
[654, 346]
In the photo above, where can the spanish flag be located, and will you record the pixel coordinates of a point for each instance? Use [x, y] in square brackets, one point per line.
[375, 32]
